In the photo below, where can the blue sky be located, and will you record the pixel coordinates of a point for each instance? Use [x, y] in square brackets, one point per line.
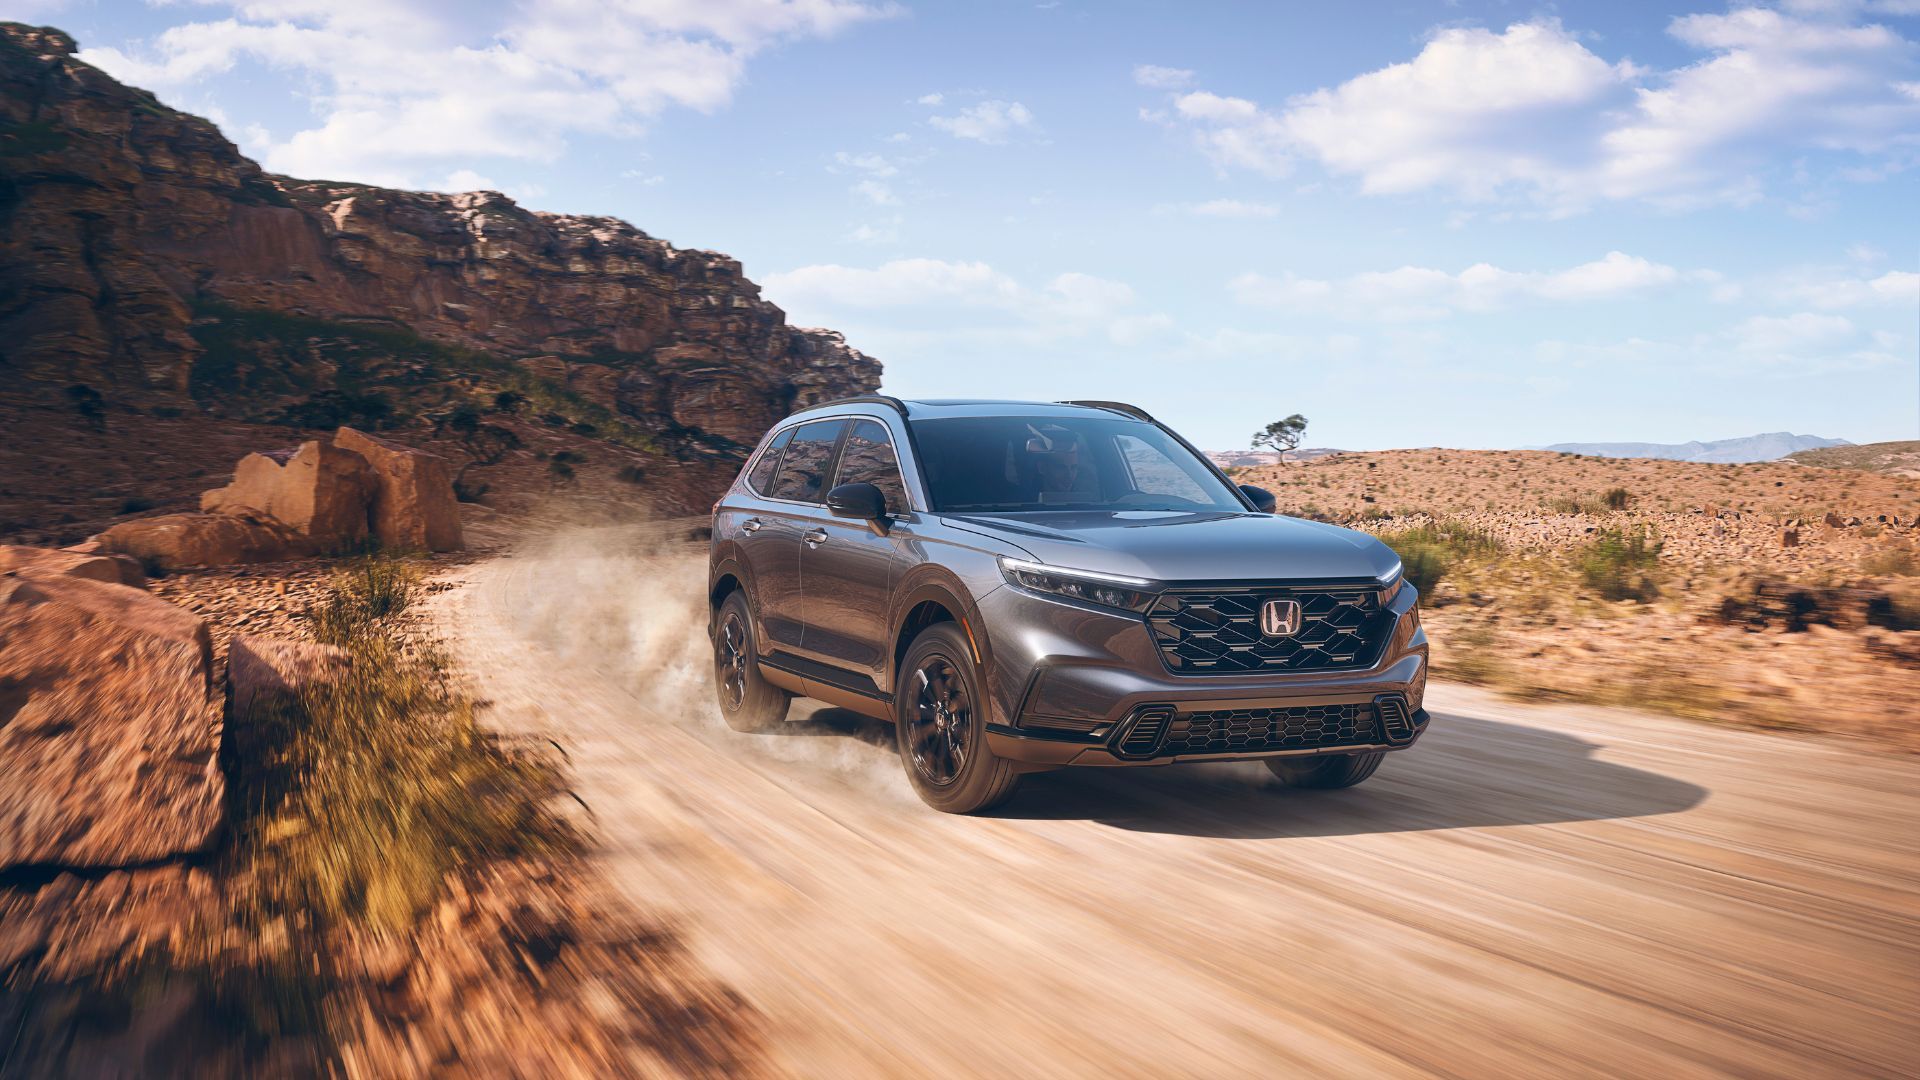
[1468, 224]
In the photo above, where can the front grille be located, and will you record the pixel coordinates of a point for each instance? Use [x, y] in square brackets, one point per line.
[1252, 731]
[1218, 631]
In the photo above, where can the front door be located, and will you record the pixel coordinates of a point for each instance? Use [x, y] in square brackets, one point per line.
[847, 568]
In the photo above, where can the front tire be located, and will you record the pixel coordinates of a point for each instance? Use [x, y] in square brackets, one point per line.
[1345, 770]
[941, 725]
[747, 702]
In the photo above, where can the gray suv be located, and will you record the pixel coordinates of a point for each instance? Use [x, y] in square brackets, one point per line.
[1019, 586]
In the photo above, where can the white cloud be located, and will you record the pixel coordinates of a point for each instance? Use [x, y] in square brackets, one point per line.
[1776, 335]
[930, 100]
[876, 192]
[988, 122]
[467, 180]
[1222, 208]
[1895, 288]
[1162, 78]
[1416, 292]
[402, 86]
[1235, 133]
[1533, 111]
[934, 299]
[869, 163]
[886, 232]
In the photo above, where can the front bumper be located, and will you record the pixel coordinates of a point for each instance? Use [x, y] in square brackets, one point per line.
[1071, 682]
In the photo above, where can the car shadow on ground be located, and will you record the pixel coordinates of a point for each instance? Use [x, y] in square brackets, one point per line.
[1466, 772]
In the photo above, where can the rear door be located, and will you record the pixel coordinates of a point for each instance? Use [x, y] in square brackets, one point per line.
[846, 568]
[786, 506]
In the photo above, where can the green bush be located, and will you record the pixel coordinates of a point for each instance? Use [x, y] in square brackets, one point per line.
[1428, 552]
[1621, 564]
[1616, 498]
[367, 591]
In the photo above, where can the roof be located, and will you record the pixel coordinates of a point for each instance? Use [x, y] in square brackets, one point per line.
[935, 408]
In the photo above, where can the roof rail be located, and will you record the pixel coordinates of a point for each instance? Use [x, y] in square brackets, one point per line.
[1112, 406]
[893, 403]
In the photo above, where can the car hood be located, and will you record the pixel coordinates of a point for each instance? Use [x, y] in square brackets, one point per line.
[1178, 546]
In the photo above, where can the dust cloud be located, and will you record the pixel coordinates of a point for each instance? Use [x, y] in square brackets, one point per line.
[628, 602]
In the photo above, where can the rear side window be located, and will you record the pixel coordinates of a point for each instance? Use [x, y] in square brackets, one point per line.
[802, 474]
[761, 478]
[868, 458]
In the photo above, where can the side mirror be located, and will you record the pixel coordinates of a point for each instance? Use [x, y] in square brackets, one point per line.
[1260, 497]
[862, 501]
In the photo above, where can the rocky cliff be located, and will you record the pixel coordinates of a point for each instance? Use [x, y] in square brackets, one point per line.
[143, 257]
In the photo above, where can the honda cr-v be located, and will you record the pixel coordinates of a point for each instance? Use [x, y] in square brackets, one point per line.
[1020, 586]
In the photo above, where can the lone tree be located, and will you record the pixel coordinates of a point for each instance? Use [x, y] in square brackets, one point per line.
[1281, 435]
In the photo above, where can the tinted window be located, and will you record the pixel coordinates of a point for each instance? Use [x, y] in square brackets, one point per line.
[868, 459]
[803, 468]
[1012, 464]
[761, 478]
[1151, 471]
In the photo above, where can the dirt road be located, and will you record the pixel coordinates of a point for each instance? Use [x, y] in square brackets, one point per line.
[1530, 891]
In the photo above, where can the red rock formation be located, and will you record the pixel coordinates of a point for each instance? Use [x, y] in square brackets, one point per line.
[122, 219]
[108, 728]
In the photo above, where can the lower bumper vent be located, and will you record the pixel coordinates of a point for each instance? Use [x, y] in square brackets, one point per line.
[1396, 722]
[1140, 736]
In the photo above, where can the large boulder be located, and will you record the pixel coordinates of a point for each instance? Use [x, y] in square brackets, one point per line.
[322, 492]
[109, 731]
[71, 562]
[173, 541]
[261, 670]
[413, 502]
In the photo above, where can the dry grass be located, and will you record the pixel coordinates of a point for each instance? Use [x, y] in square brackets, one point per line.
[365, 793]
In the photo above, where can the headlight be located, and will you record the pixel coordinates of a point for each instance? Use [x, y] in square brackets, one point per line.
[1086, 586]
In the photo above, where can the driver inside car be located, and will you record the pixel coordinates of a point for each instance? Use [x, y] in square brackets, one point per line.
[1056, 455]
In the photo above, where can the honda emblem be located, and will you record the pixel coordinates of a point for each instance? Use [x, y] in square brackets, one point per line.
[1280, 618]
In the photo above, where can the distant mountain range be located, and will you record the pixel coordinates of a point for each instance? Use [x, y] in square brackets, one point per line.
[1768, 447]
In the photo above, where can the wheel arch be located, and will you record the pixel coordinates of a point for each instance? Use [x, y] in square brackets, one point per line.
[931, 600]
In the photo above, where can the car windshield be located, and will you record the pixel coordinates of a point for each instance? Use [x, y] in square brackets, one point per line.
[1018, 464]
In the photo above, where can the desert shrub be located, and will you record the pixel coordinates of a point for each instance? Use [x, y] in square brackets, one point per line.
[583, 428]
[363, 594]
[363, 795]
[631, 474]
[1618, 498]
[137, 505]
[1893, 562]
[1621, 564]
[1427, 552]
[338, 408]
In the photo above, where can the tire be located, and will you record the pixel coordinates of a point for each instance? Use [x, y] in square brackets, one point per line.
[941, 726]
[747, 702]
[1345, 770]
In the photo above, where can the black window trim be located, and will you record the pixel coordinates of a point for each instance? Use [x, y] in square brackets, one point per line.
[833, 456]
[746, 474]
[892, 444]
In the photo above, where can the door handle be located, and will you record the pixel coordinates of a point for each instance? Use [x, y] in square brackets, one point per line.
[751, 525]
[814, 537]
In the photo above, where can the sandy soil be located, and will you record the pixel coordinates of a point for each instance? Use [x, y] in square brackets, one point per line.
[1529, 891]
